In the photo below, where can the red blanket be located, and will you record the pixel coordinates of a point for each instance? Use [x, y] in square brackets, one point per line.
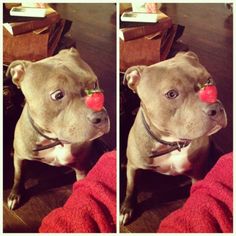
[209, 209]
[92, 206]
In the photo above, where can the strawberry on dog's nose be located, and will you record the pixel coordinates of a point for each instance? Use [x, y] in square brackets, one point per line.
[95, 100]
[208, 94]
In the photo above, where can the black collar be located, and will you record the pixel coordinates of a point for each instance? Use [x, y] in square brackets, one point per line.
[43, 147]
[173, 145]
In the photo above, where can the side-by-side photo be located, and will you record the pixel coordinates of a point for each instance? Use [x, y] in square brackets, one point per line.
[117, 117]
[59, 117]
[176, 118]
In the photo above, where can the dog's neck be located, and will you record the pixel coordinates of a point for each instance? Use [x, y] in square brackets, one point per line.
[165, 147]
[54, 141]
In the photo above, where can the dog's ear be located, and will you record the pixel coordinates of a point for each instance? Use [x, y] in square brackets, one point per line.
[132, 77]
[190, 55]
[17, 70]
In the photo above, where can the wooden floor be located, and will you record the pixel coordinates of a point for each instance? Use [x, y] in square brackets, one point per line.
[94, 30]
[208, 33]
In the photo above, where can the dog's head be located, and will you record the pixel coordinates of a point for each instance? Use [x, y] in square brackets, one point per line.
[169, 93]
[54, 89]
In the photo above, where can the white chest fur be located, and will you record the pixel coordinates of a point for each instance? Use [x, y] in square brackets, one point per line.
[173, 163]
[57, 156]
[178, 161]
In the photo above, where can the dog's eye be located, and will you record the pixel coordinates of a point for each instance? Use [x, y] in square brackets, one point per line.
[57, 95]
[172, 94]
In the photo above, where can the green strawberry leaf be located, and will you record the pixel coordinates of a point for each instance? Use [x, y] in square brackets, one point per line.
[90, 92]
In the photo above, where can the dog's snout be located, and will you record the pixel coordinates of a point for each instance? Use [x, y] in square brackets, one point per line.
[98, 118]
[214, 109]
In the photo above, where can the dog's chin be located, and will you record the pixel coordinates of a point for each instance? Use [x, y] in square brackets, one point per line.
[93, 133]
[99, 134]
[188, 137]
[219, 124]
[209, 130]
[215, 129]
[101, 131]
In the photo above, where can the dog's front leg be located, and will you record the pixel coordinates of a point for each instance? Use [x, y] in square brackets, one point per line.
[130, 197]
[15, 196]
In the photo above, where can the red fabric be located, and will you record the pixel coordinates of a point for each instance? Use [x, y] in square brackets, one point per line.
[92, 206]
[209, 209]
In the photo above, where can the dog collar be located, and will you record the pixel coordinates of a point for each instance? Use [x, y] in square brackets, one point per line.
[173, 145]
[43, 147]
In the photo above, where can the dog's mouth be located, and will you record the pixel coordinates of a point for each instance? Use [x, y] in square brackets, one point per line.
[93, 132]
[99, 134]
[219, 124]
[222, 121]
[101, 130]
[215, 129]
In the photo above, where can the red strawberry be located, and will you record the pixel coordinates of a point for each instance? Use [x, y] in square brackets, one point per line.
[95, 101]
[208, 94]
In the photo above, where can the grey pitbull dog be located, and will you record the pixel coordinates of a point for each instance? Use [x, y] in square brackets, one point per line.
[55, 127]
[171, 131]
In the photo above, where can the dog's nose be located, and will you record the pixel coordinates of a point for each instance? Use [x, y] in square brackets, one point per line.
[214, 109]
[98, 118]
